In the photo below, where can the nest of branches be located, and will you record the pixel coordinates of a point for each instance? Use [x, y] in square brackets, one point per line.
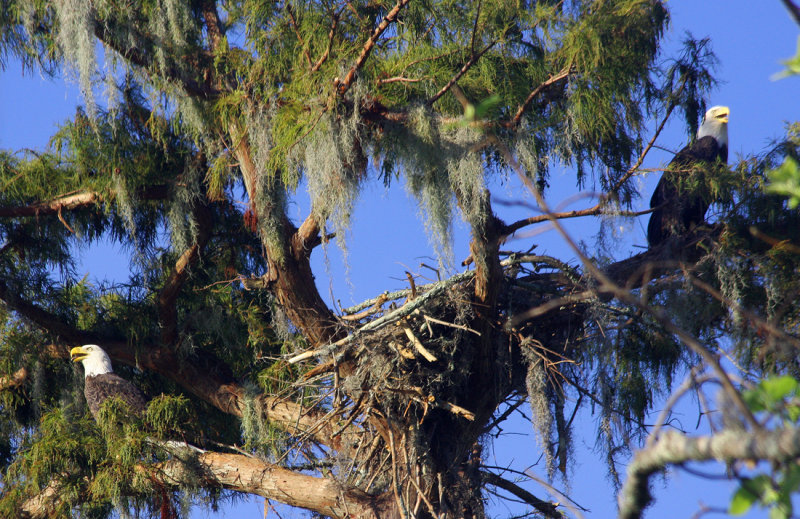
[406, 383]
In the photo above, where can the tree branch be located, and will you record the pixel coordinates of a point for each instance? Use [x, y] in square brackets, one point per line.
[673, 448]
[293, 23]
[104, 32]
[75, 201]
[535, 92]
[471, 61]
[390, 17]
[793, 10]
[322, 59]
[253, 476]
[545, 508]
[245, 474]
[167, 310]
[214, 27]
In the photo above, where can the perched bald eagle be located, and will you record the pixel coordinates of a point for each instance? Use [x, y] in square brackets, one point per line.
[677, 212]
[101, 382]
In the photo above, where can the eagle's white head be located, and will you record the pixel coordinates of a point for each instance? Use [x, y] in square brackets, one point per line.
[715, 124]
[95, 361]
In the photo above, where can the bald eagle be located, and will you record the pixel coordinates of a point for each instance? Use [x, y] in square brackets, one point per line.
[101, 382]
[676, 212]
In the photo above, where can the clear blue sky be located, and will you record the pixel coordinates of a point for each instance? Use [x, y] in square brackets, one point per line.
[388, 236]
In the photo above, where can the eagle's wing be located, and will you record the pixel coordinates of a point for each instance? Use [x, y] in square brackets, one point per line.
[98, 388]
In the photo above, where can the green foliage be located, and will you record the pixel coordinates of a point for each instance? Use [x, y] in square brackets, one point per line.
[168, 415]
[774, 399]
[785, 180]
[792, 65]
[776, 396]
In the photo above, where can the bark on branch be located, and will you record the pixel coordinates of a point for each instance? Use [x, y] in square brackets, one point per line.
[253, 476]
[75, 201]
[390, 17]
[674, 448]
[245, 474]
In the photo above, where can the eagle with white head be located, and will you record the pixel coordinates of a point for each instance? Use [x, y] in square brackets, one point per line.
[100, 381]
[677, 212]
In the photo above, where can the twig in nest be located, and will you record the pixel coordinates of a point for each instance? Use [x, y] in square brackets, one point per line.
[369, 311]
[416, 394]
[430, 357]
[404, 352]
[451, 325]
[413, 285]
[456, 410]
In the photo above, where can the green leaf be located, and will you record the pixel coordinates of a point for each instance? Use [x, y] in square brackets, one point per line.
[785, 180]
[778, 512]
[791, 480]
[778, 388]
[742, 501]
[792, 65]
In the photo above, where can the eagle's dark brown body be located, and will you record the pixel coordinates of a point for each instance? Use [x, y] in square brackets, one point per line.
[677, 212]
[98, 388]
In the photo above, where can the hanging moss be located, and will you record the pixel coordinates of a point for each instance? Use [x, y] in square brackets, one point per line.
[538, 386]
[76, 41]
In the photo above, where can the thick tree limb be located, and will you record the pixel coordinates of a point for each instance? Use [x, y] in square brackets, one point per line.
[289, 274]
[245, 474]
[253, 476]
[42, 504]
[674, 448]
[75, 201]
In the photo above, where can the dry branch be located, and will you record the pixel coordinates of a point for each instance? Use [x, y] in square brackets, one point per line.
[403, 311]
[430, 357]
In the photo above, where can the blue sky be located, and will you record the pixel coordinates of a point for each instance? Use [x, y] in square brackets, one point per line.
[388, 236]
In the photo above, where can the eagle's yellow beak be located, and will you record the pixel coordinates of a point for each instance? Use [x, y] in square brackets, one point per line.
[77, 354]
[723, 114]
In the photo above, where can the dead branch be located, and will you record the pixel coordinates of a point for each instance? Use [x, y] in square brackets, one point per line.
[451, 325]
[430, 357]
[403, 311]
